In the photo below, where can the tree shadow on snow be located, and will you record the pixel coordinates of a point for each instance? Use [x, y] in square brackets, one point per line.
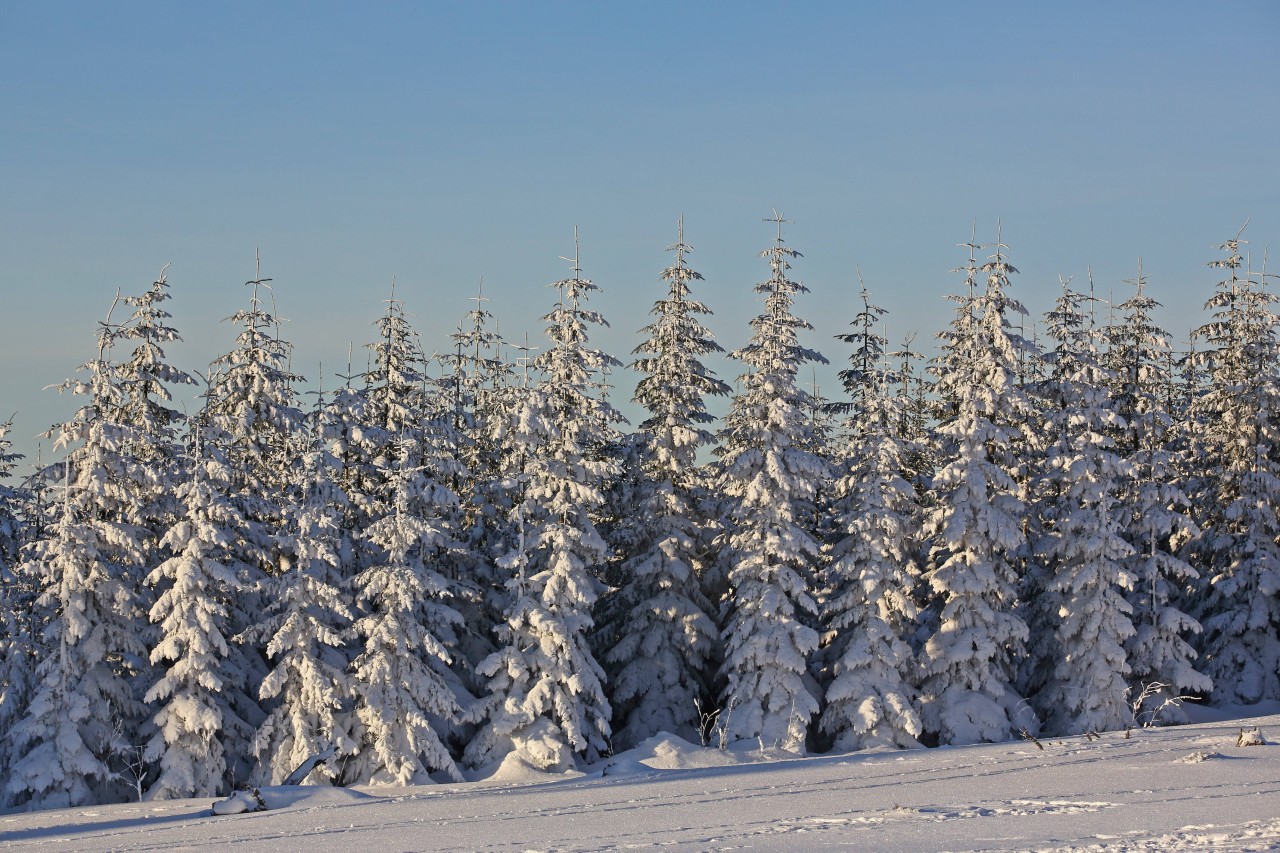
[73, 830]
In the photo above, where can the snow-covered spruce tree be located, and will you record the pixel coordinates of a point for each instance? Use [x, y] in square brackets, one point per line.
[252, 418]
[308, 623]
[1041, 604]
[403, 699]
[506, 440]
[476, 388]
[12, 500]
[85, 708]
[116, 487]
[956, 344]
[58, 751]
[469, 574]
[17, 599]
[397, 470]
[252, 424]
[1154, 510]
[545, 700]
[1239, 423]
[154, 448]
[911, 429]
[400, 410]
[477, 370]
[657, 636]
[1083, 605]
[513, 711]
[395, 409]
[147, 408]
[864, 378]
[770, 474]
[480, 386]
[205, 678]
[866, 604]
[975, 526]
[363, 433]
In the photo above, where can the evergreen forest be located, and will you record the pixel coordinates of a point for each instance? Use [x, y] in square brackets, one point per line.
[447, 562]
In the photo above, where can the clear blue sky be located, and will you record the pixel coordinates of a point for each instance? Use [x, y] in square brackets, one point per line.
[439, 143]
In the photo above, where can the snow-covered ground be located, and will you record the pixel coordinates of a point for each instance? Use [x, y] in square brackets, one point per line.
[1186, 787]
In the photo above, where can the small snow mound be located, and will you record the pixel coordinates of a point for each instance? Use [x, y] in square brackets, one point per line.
[515, 768]
[749, 752]
[665, 751]
[625, 767]
[1199, 756]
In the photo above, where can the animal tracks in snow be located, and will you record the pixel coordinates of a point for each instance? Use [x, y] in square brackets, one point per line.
[1009, 808]
[1014, 808]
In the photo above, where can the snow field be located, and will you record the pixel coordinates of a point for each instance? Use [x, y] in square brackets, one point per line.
[1109, 792]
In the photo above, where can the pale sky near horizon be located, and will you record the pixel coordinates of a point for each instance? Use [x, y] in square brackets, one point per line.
[438, 143]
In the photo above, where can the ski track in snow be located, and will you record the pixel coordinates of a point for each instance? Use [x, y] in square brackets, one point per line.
[1076, 794]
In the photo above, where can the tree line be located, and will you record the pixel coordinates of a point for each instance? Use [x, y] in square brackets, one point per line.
[429, 571]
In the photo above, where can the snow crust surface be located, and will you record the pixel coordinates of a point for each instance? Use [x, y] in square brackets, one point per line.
[1182, 788]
